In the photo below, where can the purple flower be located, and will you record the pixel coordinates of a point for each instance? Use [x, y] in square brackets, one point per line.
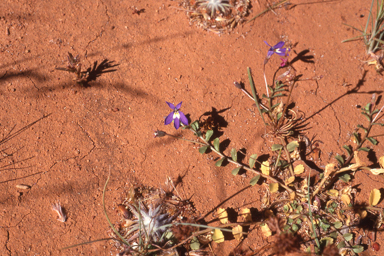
[176, 116]
[278, 49]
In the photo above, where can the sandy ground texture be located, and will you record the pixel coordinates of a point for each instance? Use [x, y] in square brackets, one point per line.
[67, 138]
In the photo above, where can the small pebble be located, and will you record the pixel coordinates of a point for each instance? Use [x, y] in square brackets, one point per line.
[21, 186]
[376, 247]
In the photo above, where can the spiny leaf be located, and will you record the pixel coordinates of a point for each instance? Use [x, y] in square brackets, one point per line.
[252, 160]
[254, 180]
[372, 140]
[208, 135]
[234, 154]
[292, 145]
[203, 149]
[340, 159]
[276, 147]
[216, 144]
[236, 171]
[364, 149]
[220, 162]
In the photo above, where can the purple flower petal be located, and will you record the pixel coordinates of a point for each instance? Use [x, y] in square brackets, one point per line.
[178, 106]
[281, 51]
[177, 123]
[267, 44]
[169, 119]
[270, 53]
[278, 45]
[170, 105]
[183, 118]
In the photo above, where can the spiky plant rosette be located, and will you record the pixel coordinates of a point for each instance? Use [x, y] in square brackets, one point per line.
[147, 214]
[216, 15]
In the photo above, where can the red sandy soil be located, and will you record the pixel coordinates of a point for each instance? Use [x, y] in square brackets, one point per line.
[107, 127]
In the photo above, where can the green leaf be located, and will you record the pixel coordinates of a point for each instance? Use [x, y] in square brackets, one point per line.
[220, 162]
[367, 107]
[279, 86]
[195, 244]
[333, 235]
[279, 115]
[203, 149]
[364, 149]
[348, 236]
[277, 95]
[295, 227]
[372, 140]
[324, 226]
[276, 147]
[283, 164]
[357, 248]
[348, 149]
[292, 145]
[271, 89]
[338, 224]
[234, 154]
[340, 159]
[362, 127]
[378, 124]
[341, 245]
[198, 133]
[208, 135]
[356, 137]
[195, 125]
[367, 116]
[374, 112]
[254, 180]
[346, 178]
[252, 160]
[277, 104]
[216, 144]
[236, 171]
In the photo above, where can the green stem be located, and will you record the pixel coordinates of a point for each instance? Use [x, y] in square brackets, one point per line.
[255, 95]
[180, 138]
[310, 212]
[247, 168]
[266, 10]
